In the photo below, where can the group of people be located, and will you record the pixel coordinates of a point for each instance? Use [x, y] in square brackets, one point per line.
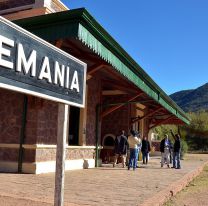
[171, 153]
[128, 149]
[131, 148]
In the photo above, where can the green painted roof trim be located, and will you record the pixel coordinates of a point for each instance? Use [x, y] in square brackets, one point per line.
[78, 23]
[88, 39]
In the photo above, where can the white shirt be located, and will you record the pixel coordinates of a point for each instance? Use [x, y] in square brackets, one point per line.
[133, 142]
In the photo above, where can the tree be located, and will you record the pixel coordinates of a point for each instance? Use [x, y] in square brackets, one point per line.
[195, 134]
[197, 131]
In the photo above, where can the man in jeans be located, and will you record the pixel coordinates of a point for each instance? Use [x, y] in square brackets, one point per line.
[139, 146]
[176, 151]
[133, 146]
[145, 150]
[165, 150]
[120, 149]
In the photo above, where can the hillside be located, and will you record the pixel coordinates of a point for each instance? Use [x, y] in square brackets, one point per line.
[192, 100]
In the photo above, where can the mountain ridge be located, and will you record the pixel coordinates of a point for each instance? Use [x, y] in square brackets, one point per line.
[192, 100]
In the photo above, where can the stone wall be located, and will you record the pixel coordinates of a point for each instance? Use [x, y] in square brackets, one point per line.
[9, 154]
[41, 126]
[11, 107]
[41, 121]
[94, 91]
[118, 120]
[49, 154]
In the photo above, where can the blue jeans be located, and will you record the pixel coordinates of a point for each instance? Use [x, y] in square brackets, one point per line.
[176, 160]
[145, 157]
[133, 158]
[137, 156]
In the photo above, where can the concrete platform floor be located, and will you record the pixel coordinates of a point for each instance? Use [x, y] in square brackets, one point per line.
[101, 186]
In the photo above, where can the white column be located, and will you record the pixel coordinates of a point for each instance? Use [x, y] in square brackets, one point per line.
[83, 122]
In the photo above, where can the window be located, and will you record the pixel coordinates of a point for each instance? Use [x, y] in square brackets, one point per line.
[109, 141]
[74, 114]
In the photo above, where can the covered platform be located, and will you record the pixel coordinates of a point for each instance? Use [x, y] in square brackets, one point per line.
[147, 186]
[120, 95]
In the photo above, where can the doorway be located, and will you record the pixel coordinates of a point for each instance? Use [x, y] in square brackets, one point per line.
[74, 117]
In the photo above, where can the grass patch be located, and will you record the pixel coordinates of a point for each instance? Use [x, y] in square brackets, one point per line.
[196, 189]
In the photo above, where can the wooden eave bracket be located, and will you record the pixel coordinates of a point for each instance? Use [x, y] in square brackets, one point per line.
[105, 113]
[161, 121]
[146, 115]
[94, 69]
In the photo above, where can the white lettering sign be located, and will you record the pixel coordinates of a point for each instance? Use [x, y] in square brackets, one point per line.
[32, 66]
[5, 52]
[26, 65]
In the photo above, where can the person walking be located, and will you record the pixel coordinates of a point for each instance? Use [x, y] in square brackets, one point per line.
[133, 146]
[145, 150]
[139, 146]
[171, 152]
[176, 151]
[120, 148]
[165, 145]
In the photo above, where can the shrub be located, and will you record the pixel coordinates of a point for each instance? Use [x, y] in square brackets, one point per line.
[184, 148]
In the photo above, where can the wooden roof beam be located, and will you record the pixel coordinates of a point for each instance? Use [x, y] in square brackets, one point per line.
[153, 112]
[113, 92]
[147, 115]
[119, 85]
[161, 121]
[140, 106]
[95, 68]
[112, 109]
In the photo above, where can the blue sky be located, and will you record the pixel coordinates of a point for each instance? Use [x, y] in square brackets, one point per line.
[167, 38]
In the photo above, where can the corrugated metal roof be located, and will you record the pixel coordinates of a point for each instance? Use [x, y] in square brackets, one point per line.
[78, 23]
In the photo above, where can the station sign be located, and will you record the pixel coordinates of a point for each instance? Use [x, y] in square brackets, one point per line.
[30, 65]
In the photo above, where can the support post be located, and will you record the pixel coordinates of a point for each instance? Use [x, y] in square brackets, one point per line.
[97, 134]
[63, 115]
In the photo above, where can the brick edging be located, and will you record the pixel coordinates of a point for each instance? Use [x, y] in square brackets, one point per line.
[163, 196]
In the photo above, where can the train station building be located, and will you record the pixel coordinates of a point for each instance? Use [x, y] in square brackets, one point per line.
[120, 95]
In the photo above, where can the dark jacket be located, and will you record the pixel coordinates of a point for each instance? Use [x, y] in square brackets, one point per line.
[145, 146]
[177, 145]
[162, 145]
[121, 144]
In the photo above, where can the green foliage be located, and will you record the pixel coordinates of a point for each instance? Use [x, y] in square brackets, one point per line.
[194, 136]
[164, 129]
[195, 100]
[197, 131]
[199, 122]
[184, 148]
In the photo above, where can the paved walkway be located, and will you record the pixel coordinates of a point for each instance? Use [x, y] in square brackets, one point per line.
[102, 186]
